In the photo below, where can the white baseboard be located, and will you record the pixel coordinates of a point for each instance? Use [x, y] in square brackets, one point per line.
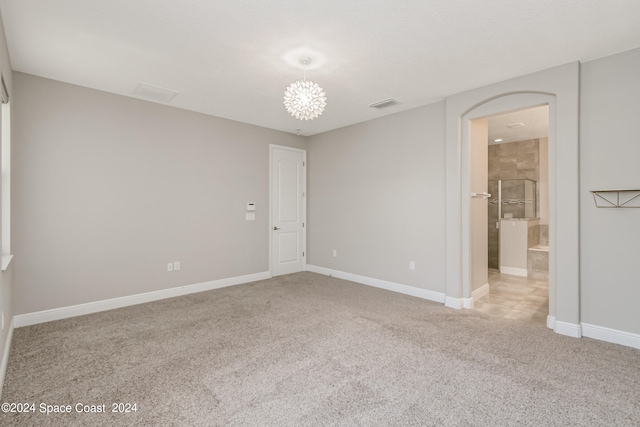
[513, 271]
[568, 329]
[615, 336]
[551, 321]
[5, 356]
[452, 302]
[628, 339]
[480, 292]
[383, 284]
[97, 306]
[459, 303]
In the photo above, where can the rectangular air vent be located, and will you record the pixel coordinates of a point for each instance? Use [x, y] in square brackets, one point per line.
[384, 103]
[515, 125]
[154, 93]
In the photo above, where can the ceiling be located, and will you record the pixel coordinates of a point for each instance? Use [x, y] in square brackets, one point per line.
[234, 58]
[520, 125]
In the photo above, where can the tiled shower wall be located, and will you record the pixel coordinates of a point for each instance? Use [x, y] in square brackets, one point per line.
[513, 160]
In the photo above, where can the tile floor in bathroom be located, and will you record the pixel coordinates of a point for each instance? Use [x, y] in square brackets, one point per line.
[515, 297]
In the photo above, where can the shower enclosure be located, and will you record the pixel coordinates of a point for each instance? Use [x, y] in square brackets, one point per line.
[511, 198]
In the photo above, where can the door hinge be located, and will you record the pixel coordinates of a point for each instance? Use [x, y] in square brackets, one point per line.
[303, 163]
[303, 225]
[303, 253]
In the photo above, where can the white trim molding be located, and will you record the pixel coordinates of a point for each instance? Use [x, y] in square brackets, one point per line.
[551, 321]
[110, 304]
[568, 329]
[6, 260]
[5, 356]
[452, 302]
[615, 336]
[377, 283]
[459, 303]
[564, 328]
[481, 292]
[513, 271]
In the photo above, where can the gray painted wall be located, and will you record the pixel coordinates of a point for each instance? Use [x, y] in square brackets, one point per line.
[376, 195]
[352, 209]
[109, 189]
[610, 158]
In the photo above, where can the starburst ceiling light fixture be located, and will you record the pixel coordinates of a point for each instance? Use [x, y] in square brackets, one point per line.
[304, 99]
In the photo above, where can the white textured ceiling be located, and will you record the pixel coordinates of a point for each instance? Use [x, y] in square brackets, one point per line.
[534, 124]
[231, 58]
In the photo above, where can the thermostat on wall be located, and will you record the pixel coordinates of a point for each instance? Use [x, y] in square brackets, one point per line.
[251, 206]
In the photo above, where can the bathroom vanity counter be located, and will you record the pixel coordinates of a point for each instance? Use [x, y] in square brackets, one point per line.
[517, 235]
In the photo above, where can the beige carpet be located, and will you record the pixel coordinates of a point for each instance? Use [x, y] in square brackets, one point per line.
[306, 349]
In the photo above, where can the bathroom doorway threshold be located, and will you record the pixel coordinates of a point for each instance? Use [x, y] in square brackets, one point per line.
[515, 297]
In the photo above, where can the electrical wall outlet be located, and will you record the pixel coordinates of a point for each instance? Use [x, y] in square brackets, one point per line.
[335, 253]
[176, 266]
[170, 266]
[412, 265]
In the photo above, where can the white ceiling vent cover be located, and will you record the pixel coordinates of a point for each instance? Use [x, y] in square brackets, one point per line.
[515, 125]
[154, 93]
[389, 102]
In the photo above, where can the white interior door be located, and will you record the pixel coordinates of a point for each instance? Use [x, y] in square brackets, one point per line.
[287, 210]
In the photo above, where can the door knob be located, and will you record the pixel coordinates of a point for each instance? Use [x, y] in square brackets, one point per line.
[276, 228]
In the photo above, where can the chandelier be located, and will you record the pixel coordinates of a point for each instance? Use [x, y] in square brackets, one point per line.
[304, 99]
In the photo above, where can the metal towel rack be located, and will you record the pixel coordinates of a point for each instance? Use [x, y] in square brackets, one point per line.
[480, 195]
[612, 199]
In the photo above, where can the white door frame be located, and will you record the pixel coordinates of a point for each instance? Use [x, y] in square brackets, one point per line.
[304, 204]
[560, 86]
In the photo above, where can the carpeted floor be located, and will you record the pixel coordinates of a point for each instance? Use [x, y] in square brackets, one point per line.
[306, 349]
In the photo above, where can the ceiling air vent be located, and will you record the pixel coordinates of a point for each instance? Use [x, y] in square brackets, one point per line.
[515, 125]
[384, 103]
[154, 93]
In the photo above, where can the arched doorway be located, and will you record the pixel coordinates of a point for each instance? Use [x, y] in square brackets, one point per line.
[509, 176]
[559, 88]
